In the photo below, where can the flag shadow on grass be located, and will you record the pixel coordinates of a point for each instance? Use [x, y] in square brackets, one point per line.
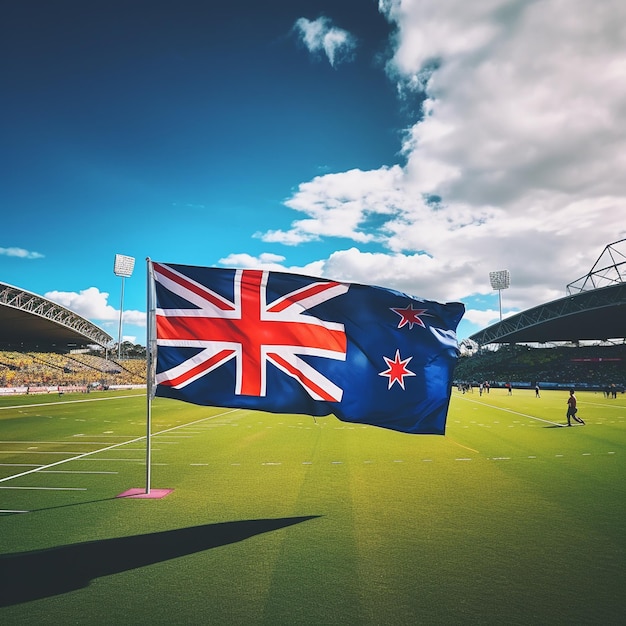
[43, 573]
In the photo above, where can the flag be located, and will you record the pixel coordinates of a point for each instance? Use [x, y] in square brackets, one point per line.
[287, 343]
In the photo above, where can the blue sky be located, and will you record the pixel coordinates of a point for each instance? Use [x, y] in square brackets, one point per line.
[414, 145]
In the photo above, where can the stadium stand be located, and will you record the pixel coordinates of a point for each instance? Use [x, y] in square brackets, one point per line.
[589, 322]
[46, 347]
[589, 367]
[53, 369]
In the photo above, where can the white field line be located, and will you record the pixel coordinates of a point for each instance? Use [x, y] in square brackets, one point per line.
[74, 472]
[48, 488]
[21, 465]
[111, 447]
[61, 442]
[103, 436]
[28, 406]
[608, 405]
[532, 417]
[141, 460]
[31, 452]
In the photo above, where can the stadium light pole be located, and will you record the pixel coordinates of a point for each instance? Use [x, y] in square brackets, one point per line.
[500, 280]
[123, 267]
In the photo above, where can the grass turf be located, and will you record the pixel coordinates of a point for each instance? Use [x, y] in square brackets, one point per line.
[281, 519]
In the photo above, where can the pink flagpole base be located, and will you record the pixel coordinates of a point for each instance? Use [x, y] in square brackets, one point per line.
[140, 492]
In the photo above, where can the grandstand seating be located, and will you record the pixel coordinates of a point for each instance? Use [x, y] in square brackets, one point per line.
[586, 366]
[19, 369]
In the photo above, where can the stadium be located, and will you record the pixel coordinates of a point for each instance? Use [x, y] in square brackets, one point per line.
[46, 347]
[575, 341]
[289, 519]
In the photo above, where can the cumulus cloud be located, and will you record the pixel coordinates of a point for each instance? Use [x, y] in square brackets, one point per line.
[271, 262]
[321, 36]
[516, 159]
[21, 253]
[264, 261]
[92, 304]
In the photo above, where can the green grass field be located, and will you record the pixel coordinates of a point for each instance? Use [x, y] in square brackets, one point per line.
[281, 519]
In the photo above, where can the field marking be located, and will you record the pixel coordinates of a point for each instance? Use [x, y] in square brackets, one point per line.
[74, 472]
[111, 447]
[21, 465]
[28, 406]
[461, 445]
[104, 436]
[31, 452]
[532, 417]
[604, 405]
[48, 488]
[139, 460]
[63, 443]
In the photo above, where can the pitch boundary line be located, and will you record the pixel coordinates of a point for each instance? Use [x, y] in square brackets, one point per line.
[111, 447]
[39, 404]
[499, 408]
[56, 443]
[48, 488]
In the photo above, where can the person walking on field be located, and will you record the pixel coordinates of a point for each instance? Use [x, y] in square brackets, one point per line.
[572, 409]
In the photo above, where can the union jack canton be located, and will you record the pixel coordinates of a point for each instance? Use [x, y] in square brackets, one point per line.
[287, 343]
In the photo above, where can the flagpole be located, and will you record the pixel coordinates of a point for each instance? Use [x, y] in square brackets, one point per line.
[149, 368]
[151, 353]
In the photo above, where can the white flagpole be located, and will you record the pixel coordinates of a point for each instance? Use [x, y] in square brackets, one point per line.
[150, 370]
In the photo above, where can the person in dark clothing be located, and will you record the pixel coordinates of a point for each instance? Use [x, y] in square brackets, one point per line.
[572, 409]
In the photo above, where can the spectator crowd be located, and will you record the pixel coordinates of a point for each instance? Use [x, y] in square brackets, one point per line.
[45, 369]
[596, 367]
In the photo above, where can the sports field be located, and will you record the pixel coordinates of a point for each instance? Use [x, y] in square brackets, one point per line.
[510, 518]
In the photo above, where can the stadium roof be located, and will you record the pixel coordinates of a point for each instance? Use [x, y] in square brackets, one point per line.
[27, 319]
[594, 309]
[590, 315]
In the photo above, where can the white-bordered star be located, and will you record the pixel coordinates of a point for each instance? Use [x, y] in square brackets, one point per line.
[397, 370]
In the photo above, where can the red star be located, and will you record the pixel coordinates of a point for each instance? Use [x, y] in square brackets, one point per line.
[397, 370]
[410, 316]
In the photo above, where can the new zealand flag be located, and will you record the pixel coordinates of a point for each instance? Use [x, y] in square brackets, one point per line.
[287, 343]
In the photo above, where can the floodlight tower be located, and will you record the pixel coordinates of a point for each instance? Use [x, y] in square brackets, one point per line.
[122, 267]
[500, 280]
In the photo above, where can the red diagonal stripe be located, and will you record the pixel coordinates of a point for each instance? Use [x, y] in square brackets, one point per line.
[203, 292]
[302, 295]
[305, 381]
[198, 369]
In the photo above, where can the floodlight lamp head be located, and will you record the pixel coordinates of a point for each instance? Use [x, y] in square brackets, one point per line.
[500, 279]
[123, 265]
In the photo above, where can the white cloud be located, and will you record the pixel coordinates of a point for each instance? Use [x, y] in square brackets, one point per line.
[482, 318]
[517, 160]
[343, 205]
[92, 304]
[21, 253]
[321, 36]
[271, 262]
[266, 261]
